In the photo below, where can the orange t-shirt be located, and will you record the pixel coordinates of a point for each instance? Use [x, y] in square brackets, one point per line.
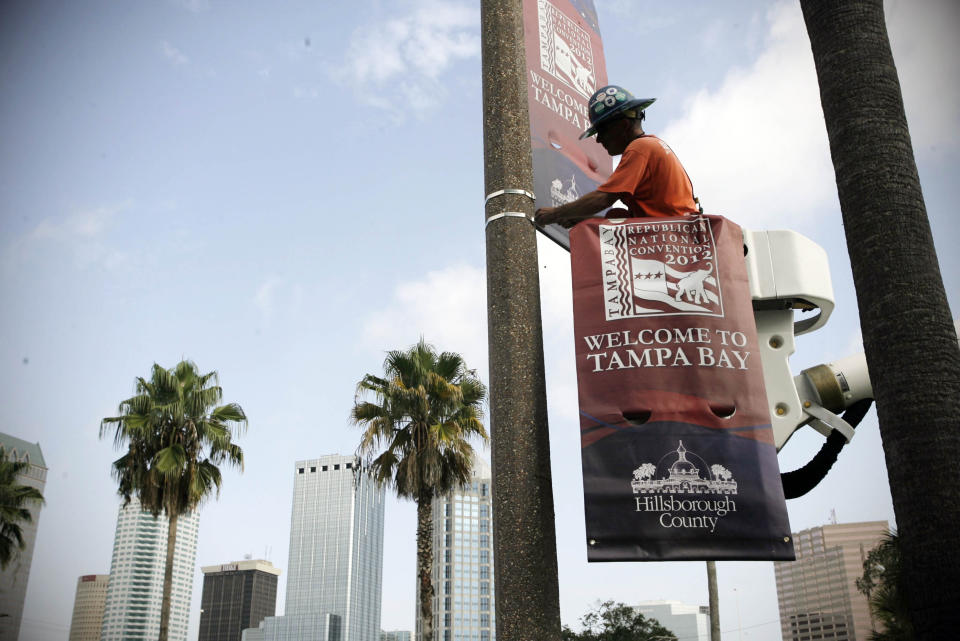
[651, 181]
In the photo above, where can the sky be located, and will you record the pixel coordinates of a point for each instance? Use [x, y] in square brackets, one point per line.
[282, 192]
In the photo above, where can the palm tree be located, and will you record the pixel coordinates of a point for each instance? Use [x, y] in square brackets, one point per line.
[176, 435]
[880, 583]
[15, 503]
[417, 427]
[908, 334]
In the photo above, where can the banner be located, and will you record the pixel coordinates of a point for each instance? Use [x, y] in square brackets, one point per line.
[565, 65]
[678, 456]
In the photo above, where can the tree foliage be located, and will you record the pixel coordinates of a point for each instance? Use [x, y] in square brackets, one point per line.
[417, 429]
[881, 583]
[613, 621]
[417, 426]
[16, 500]
[176, 436]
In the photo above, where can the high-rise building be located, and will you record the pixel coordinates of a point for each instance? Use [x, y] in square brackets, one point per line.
[463, 603]
[88, 607]
[135, 592]
[236, 596]
[687, 622]
[395, 635]
[13, 579]
[817, 593]
[335, 569]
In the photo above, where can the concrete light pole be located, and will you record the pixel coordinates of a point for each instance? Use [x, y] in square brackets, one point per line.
[525, 548]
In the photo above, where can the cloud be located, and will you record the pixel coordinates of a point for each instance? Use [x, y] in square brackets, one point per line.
[752, 148]
[927, 54]
[173, 54]
[80, 235]
[409, 54]
[193, 6]
[84, 224]
[756, 148]
[448, 307]
[276, 293]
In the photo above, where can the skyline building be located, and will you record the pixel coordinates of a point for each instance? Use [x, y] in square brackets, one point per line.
[687, 622]
[13, 579]
[335, 567]
[236, 596]
[462, 568]
[395, 635]
[88, 604]
[817, 593]
[135, 591]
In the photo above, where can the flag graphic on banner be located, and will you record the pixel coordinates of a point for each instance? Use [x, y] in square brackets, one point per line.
[679, 274]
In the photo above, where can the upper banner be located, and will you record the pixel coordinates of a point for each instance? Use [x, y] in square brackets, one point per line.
[678, 456]
[565, 65]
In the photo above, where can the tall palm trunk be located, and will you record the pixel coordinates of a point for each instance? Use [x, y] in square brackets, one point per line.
[908, 336]
[714, 600]
[424, 563]
[168, 578]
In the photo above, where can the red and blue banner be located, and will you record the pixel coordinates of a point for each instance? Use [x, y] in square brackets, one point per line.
[678, 456]
[565, 65]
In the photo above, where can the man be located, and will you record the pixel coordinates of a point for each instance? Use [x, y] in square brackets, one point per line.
[649, 179]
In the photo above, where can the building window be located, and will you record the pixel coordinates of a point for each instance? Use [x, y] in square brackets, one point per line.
[483, 489]
[336, 467]
[313, 468]
[484, 587]
[301, 470]
[323, 468]
[349, 466]
[484, 571]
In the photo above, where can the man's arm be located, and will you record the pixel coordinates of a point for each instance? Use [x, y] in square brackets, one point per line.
[573, 212]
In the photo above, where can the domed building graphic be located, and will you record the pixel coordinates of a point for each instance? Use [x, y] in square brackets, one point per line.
[683, 475]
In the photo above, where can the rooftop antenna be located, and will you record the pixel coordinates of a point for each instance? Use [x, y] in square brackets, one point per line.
[833, 516]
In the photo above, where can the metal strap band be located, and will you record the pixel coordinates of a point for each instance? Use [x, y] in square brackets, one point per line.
[501, 192]
[506, 214]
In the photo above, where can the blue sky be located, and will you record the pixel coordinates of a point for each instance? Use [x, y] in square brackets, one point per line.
[283, 191]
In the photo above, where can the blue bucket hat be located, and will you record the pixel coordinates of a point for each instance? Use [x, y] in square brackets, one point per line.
[607, 102]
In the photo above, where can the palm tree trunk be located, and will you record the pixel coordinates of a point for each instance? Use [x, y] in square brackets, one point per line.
[425, 563]
[714, 601]
[168, 578]
[908, 336]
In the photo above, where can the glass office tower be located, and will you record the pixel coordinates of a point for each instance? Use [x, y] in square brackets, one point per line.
[335, 568]
[463, 606]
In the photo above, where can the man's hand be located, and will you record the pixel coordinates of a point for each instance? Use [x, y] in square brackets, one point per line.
[556, 215]
[572, 213]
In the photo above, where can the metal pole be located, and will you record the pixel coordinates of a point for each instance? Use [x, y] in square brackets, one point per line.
[525, 548]
[714, 601]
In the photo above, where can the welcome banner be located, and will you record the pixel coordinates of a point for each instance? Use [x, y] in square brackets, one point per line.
[565, 65]
[678, 456]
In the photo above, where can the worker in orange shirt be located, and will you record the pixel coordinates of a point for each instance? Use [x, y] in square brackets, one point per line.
[649, 180]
